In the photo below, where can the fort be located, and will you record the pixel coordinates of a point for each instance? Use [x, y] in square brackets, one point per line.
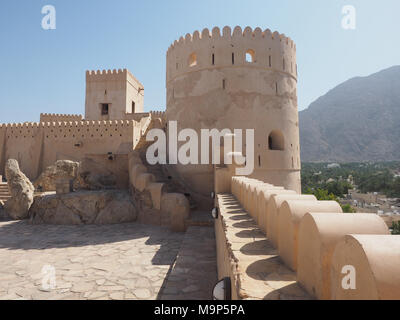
[271, 241]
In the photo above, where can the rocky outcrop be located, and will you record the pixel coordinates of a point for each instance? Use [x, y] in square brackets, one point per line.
[21, 190]
[84, 207]
[62, 169]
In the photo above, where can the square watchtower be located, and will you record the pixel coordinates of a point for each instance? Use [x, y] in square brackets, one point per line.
[112, 95]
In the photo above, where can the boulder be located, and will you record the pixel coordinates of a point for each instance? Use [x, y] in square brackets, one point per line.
[21, 190]
[62, 169]
[84, 207]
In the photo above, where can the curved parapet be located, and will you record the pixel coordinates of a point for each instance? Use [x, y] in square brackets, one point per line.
[290, 214]
[318, 235]
[373, 261]
[264, 198]
[272, 213]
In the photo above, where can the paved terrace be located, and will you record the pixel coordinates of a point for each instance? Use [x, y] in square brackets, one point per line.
[127, 261]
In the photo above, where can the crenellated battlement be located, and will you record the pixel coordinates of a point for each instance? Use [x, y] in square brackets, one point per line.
[216, 49]
[49, 117]
[227, 33]
[106, 72]
[70, 129]
[112, 75]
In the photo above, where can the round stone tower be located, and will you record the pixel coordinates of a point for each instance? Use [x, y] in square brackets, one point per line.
[238, 80]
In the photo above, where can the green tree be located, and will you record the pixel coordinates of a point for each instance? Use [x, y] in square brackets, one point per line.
[348, 208]
[396, 228]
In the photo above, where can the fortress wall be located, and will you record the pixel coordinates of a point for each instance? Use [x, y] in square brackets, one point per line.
[54, 117]
[72, 140]
[38, 145]
[211, 90]
[23, 142]
[315, 239]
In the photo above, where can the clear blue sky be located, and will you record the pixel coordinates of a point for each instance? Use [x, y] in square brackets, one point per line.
[44, 71]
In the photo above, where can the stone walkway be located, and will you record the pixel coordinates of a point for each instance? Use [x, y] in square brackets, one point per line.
[194, 273]
[127, 261]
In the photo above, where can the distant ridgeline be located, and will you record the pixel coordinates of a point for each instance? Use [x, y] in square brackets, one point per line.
[354, 122]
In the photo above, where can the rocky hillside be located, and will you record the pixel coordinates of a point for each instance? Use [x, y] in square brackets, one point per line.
[359, 120]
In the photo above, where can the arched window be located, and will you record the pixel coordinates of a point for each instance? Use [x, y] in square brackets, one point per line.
[192, 60]
[250, 56]
[276, 141]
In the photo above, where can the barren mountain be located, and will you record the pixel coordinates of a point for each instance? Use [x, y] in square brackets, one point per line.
[359, 120]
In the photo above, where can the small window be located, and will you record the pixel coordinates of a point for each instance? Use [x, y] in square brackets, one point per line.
[193, 60]
[276, 140]
[250, 55]
[233, 58]
[270, 61]
[104, 109]
[213, 59]
[223, 84]
[133, 107]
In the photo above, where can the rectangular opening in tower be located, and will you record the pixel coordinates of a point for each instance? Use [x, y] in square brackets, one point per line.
[104, 109]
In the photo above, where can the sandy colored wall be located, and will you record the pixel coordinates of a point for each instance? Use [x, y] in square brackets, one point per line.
[239, 95]
[117, 88]
[38, 145]
[55, 117]
[23, 142]
[116, 167]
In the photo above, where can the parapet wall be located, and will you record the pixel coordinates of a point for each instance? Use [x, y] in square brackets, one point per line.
[334, 255]
[214, 50]
[112, 75]
[50, 117]
[37, 145]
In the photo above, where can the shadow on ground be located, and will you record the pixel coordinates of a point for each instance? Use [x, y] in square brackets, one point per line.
[20, 235]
